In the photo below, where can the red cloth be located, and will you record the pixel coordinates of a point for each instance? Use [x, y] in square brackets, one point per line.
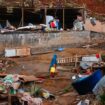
[97, 55]
[52, 24]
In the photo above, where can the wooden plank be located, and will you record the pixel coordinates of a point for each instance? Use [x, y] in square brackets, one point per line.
[28, 78]
[3, 74]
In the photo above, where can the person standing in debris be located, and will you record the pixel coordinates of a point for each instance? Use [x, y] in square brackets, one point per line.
[53, 64]
[57, 24]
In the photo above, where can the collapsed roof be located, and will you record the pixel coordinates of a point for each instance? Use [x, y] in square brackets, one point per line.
[95, 6]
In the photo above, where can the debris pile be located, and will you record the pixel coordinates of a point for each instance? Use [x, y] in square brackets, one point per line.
[5, 64]
[57, 85]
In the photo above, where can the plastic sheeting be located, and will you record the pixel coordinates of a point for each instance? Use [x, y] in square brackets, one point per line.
[88, 61]
[48, 19]
[10, 52]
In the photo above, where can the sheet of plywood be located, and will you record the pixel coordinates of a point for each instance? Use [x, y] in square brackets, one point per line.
[28, 78]
[23, 51]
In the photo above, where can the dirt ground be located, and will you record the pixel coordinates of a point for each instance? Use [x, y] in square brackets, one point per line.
[38, 65]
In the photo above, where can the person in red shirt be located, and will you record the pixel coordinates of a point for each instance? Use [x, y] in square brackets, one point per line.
[52, 24]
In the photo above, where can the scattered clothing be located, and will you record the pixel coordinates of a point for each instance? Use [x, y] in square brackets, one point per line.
[84, 102]
[30, 100]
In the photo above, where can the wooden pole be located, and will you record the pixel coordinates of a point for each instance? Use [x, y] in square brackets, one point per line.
[45, 12]
[63, 18]
[76, 61]
[9, 97]
[22, 9]
[84, 12]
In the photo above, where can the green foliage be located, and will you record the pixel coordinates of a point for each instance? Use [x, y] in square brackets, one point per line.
[35, 90]
[65, 90]
[103, 57]
[102, 97]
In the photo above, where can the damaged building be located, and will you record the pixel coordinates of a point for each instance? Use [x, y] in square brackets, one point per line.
[22, 12]
[41, 65]
[18, 12]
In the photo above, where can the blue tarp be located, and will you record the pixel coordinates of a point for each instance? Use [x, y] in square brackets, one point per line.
[60, 49]
[87, 84]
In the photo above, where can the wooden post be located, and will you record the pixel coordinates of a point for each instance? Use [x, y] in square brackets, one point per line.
[45, 12]
[22, 9]
[84, 12]
[63, 18]
[9, 97]
[76, 61]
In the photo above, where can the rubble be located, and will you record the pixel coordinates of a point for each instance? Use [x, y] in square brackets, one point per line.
[39, 64]
[5, 64]
[59, 86]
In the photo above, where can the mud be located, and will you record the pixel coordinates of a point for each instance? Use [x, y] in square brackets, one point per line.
[38, 65]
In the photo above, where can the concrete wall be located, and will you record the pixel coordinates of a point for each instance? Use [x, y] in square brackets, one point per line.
[39, 40]
[19, 39]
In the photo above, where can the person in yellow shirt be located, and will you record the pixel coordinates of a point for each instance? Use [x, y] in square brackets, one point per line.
[53, 64]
